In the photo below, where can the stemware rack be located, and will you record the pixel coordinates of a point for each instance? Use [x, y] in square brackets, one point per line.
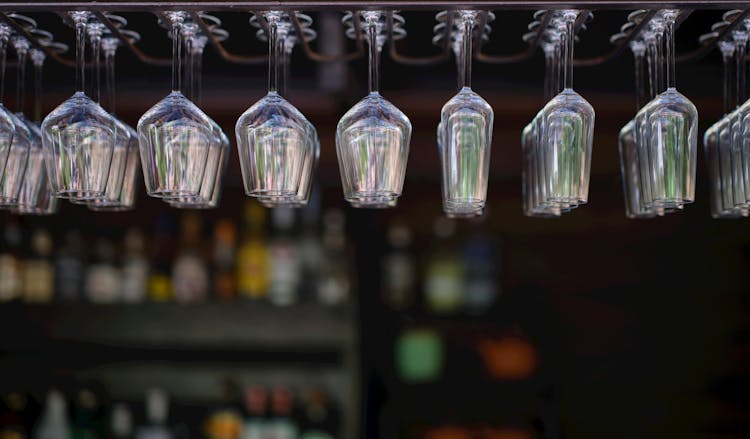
[396, 27]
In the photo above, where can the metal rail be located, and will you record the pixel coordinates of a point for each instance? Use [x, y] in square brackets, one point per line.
[246, 5]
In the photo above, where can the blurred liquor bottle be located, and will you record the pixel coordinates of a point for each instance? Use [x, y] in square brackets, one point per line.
[224, 249]
[13, 416]
[103, 276]
[480, 260]
[252, 257]
[160, 280]
[444, 274]
[333, 283]
[53, 423]
[285, 260]
[256, 413]
[225, 422]
[70, 267]
[38, 271]
[317, 417]
[157, 414]
[121, 421]
[135, 267]
[282, 425]
[88, 418]
[190, 279]
[398, 268]
[10, 264]
[310, 247]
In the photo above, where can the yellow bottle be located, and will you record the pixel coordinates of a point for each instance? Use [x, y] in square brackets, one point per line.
[252, 256]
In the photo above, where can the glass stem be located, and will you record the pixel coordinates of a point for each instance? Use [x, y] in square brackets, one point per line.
[20, 81]
[109, 65]
[80, 55]
[3, 53]
[670, 55]
[273, 52]
[197, 76]
[374, 54]
[741, 73]
[96, 41]
[468, 22]
[38, 91]
[639, 88]
[176, 57]
[547, 75]
[285, 58]
[650, 65]
[659, 63]
[557, 67]
[570, 42]
[189, 85]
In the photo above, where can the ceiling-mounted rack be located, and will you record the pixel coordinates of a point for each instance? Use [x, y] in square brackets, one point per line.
[210, 26]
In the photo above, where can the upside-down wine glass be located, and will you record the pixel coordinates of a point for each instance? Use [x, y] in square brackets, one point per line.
[15, 165]
[175, 136]
[711, 143]
[79, 136]
[532, 184]
[218, 155]
[288, 36]
[667, 135]
[124, 198]
[465, 131]
[372, 138]
[274, 140]
[7, 126]
[629, 166]
[566, 134]
[122, 137]
[36, 196]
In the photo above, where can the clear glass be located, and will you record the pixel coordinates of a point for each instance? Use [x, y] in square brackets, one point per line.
[7, 124]
[36, 196]
[121, 192]
[122, 139]
[275, 141]
[372, 138]
[15, 166]
[667, 136]
[465, 133]
[79, 136]
[566, 134]
[218, 155]
[175, 136]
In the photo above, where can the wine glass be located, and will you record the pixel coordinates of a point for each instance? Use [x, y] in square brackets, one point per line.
[7, 127]
[120, 195]
[465, 134]
[218, 155]
[566, 128]
[534, 193]
[79, 136]
[372, 138]
[667, 135]
[175, 136]
[12, 177]
[122, 135]
[289, 38]
[629, 165]
[711, 144]
[274, 140]
[36, 196]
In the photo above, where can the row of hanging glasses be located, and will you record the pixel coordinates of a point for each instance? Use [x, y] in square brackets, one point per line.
[84, 153]
[725, 144]
[24, 186]
[658, 147]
